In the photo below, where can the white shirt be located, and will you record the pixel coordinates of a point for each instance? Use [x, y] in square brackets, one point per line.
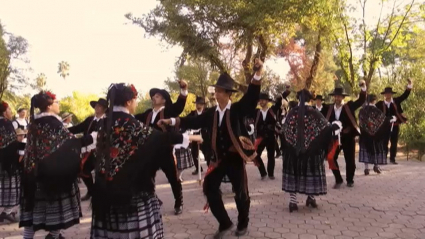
[155, 113]
[338, 111]
[388, 103]
[221, 112]
[199, 112]
[319, 108]
[264, 113]
[22, 122]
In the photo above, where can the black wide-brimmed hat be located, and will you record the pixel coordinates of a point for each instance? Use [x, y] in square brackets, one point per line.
[163, 93]
[371, 98]
[338, 91]
[265, 96]
[101, 102]
[388, 90]
[319, 97]
[200, 100]
[226, 82]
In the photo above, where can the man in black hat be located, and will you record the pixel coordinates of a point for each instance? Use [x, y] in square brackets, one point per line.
[196, 146]
[344, 113]
[265, 125]
[164, 108]
[231, 148]
[392, 107]
[319, 105]
[86, 127]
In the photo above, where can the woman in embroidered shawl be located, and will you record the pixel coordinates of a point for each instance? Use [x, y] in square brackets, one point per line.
[307, 138]
[373, 125]
[50, 197]
[124, 203]
[9, 166]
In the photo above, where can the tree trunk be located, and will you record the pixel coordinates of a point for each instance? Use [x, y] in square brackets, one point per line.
[315, 64]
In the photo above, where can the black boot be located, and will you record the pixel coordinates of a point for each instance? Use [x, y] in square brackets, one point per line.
[293, 207]
[311, 202]
[8, 217]
[366, 171]
[49, 236]
[376, 169]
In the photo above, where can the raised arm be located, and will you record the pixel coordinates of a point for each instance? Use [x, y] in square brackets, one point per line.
[81, 127]
[278, 104]
[406, 93]
[178, 106]
[362, 97]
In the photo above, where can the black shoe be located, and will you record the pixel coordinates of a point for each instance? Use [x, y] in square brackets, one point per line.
[178, 210]
[272, 177]
[49, 236]
[376, 169]
[366, 171]
[195, 172]
[293, 207]
[311, 202]
[393, 162]
[8, 217]
[221, 233]
[241, 232]
[337, 185]
[263, 177]
[350, 185]
[86, 197]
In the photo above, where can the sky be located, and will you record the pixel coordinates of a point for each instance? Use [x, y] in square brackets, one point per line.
[97, 41]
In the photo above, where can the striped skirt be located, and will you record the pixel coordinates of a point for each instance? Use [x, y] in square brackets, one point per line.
[184, 158]
[10, 189]
[311, 181]
[60, 212]
[144, 222]
[375, 154]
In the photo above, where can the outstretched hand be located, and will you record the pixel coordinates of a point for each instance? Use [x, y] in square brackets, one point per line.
[164, 122]
[182, 84]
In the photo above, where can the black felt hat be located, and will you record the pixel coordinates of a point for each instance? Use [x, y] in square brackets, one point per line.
[265, 96]
[163, 93]
[226, 82]
[319, 97]
[338, 91]
[200, 100]
[101, 102]
[388, 90]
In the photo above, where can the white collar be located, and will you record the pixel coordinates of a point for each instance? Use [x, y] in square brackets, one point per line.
[199, 112]
[265, 110]
[120, 109]
[45, 114]
[370, 104]
[156, 111]
[226, 108]
[101, 117]
[19, 119]
[342, 104]
[386, 102]
[319, 107]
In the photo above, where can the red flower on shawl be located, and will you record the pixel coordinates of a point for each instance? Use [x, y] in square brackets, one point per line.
[114, 152]
[4, 104]
[51, 95]
[134, 91]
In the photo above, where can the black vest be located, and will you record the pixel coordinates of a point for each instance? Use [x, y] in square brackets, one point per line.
[223, 141]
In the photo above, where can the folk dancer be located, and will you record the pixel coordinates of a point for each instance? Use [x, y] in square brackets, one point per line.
[163, 108]
[322, 108]
[124, 204]
[89, 125]
[392, 107]
[50, 197]
[265, 125]
[373, 126]
[21, 122]
[9, 168]
[231, 148]
[307, 138]
[184, 159]
[195, 146]
[344, 112]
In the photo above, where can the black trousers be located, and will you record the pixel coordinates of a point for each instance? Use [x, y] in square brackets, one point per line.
[393, 138]
[269, 143]
[87, 177]
[349, 147]
[170, 170]
[195, 147]
[234, 166]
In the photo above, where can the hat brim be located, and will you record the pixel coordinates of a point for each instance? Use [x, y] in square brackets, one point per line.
[333, 94]
[93, 104]
[154, 91]
[384, 92]
[167, 98]
[225, 88]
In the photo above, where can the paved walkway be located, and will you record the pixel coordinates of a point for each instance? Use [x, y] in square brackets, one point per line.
[390, 205]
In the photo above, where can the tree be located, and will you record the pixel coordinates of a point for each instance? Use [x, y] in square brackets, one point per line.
[203, 28]
[78, 104]
[63, 69]
[12, 50]
[355, 35]
[40, 82]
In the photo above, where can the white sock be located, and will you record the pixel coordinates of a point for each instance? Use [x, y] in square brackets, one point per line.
[366, 166]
